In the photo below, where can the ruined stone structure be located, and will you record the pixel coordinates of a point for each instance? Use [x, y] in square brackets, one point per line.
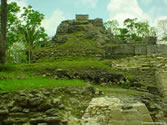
[81, 17]
[84, 29]
[112, 111]
[134, 50]
[74, 33]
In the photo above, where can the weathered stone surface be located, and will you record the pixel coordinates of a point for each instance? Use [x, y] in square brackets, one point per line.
[119, 50]
[4, 112]
[37, 120]
[151, 49]
[22, 101]
[12, 121]
[16, 109]
[56, 102]
[88, 90]
[61, 39]
[52, 112]
[42, 124]
[150, 40]
[35, 101]
[153, 90]
[55, 120]
[162, 80]
[27, 123]
[44, 106]
[81, 17]
[140, 50]
[105, 110]
[109, 110]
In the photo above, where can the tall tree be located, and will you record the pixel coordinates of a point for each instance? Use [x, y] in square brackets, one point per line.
[33, 34]
[113, 26]
[162, 29]
[3, 31]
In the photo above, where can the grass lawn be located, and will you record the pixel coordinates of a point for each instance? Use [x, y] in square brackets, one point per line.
[14, 85]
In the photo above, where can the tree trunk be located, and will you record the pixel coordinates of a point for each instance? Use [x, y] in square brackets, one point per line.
[3, 31]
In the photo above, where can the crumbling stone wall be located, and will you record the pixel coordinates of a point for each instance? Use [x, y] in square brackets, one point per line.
[91, 29]
[113, 111]
[134, 49]
[81, 17]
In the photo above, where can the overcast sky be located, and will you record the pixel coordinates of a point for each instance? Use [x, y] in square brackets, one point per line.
[57, 10]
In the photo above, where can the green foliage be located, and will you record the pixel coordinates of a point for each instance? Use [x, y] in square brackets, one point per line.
[138, 30]
[164, 38]
[112, 26]
[162, 29]
[67, 65]
[133, 29]
[24, 28]
[6, 68]
[75, 44]
[16, 53]
[33, 34]
[36, 82]
[12, 21]
[123, 35]
[126, 85]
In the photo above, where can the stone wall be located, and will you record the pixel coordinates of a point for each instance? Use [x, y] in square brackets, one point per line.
[43, 106]
[60, 106]
[81, 17]
[113, 111]
[134, 49]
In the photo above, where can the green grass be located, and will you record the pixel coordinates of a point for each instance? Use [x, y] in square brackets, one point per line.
[74, 47]
[67, 65]
[75, 44]
[15, 85]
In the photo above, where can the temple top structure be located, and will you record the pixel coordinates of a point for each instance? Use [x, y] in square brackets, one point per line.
[82, 17]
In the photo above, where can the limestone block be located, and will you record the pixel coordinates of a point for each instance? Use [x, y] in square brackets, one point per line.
[111, 111]
[147, 118]
[151, 49]
[141, 108]
[162, 49]
[123, 50]
[140, 50]
[81, 17]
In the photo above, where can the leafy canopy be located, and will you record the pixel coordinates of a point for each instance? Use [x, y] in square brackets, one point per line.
[133, 29]
[24, 27]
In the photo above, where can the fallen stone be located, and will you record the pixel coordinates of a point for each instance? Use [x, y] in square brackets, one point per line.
[35, 101]
[16, 109]
[4, 112]
[52, 112]
[44, 106]
[111, 110]
[54, 120]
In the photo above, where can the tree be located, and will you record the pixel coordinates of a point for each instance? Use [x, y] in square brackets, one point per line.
[123, 34]
[139, 30]
[132, 30]
[33, 34]
[162, 29]
[12, 23]
[3, 31]
[113, 26]
[25, 28]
